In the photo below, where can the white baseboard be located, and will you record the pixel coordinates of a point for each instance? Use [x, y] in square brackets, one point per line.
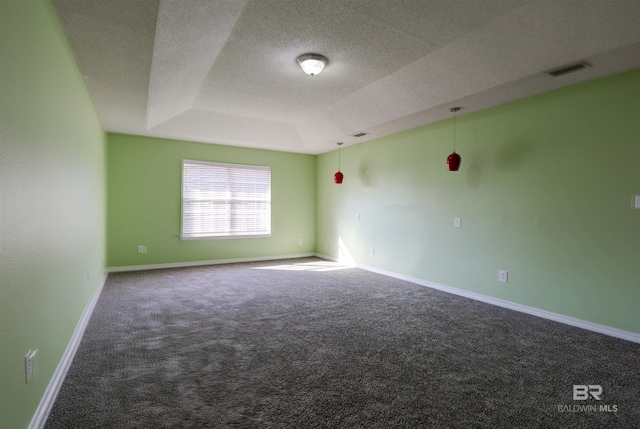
[200, 263]
[50, 394]
[607, 330]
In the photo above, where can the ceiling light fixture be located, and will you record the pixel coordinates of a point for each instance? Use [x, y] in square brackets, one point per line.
[338, 176]
[454, 160]
[312, 64]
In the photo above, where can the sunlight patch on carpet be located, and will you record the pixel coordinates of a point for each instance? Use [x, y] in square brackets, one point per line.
[307, 266]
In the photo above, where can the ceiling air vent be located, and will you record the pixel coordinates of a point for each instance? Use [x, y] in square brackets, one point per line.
[360, 134]
[568, 69]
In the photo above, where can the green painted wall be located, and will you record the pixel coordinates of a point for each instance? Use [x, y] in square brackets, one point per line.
[52, 201]
[544, 192]
[144, 179]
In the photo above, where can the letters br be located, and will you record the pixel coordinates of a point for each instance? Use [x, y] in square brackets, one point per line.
[581, 392]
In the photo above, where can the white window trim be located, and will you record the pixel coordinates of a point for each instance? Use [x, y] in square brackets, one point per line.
[219, 236]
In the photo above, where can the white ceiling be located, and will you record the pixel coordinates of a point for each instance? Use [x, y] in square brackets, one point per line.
[225, 71]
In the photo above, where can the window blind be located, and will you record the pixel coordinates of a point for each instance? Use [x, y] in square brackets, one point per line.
[225, 200]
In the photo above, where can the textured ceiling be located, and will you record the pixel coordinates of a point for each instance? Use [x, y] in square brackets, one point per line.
[225, 71]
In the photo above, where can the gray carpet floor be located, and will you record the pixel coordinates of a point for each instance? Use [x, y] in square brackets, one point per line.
[302, 344]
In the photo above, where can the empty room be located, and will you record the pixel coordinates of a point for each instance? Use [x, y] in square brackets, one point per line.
[334, 214]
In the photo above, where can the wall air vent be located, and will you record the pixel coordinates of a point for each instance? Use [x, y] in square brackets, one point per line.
[360, 134]
[568, 69]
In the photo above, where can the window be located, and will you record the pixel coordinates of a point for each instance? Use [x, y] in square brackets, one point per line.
[225, 200]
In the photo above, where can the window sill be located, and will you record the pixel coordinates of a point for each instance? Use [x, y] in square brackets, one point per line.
[222, 237]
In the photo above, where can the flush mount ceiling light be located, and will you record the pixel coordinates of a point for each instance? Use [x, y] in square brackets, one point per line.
[312, 64]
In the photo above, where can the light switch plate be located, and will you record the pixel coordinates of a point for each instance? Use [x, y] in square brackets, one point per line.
[637, 199]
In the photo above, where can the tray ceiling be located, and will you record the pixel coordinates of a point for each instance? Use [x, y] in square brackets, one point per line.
[225, 71]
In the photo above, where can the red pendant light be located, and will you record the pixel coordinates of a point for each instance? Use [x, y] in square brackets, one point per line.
[338, 176]
[454, 160]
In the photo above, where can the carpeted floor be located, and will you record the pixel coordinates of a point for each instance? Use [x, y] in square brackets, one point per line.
[306, 344]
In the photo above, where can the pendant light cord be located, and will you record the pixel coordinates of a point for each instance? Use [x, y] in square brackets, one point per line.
[455, 115]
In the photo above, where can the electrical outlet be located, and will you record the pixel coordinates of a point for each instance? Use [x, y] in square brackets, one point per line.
[142, 249]
[31, 366]
[503, 276]
[637, 202]
[299, 241]
[357, 249]
[372, 251]
[457, 222]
